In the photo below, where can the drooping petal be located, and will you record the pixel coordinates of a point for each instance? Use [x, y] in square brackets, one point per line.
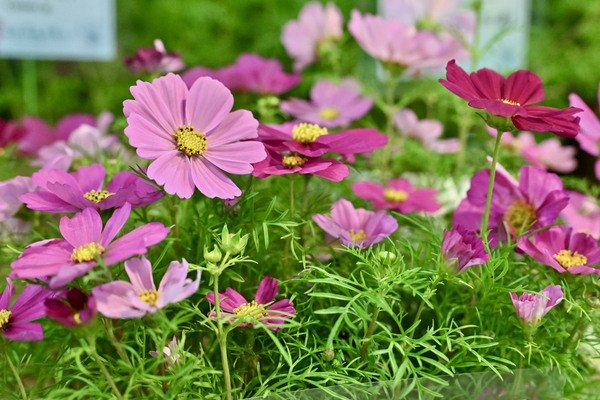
[139, 271]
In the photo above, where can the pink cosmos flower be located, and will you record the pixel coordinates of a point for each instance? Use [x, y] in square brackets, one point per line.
[427, 131]
[589, 133]
[531, 308]
[356, 226]
[236, 306]
[511, 97]
[397, 43]
[330, 105]
[121, 299]
[63, 192]
[37, 133]
[10, 191]
[154, 60]
[192, 135]
[462, 249]
[399, 195]
[15, 320]
[550, 154]
[75, 309]
[170, 352]
[582, 213]
[563, 250]
[537, 197]
[292, 163]
[316, 27]
[10, 132]
[84, 240]
[249, 73]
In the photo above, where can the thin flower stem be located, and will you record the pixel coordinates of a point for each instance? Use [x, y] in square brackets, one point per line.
[488, 202]
[92, 351]
[389, 127]
[422, 307]
[175, 229]
[572, 334]
[16, 374]
[292, 198]
[221, 335]
[366, 339]
[464, 123]
[115, 341]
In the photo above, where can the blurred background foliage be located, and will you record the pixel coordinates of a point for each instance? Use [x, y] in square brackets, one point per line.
[564, 49]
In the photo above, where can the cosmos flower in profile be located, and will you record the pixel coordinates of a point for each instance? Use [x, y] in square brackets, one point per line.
[154, 60]
[192, 135]
[531, 308]
[462, 249]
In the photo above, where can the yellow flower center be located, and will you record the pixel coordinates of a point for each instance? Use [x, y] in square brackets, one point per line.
[252, 309]
[395, 196]
[308, 133]
[86, 253]
[149, 296]
[294, 161]
[329, 113]
[190, 141]
[519, 216]
[77, 318]
[4, 316]
[357, 235]
[97, 197]
[511, 102]
[568, 259]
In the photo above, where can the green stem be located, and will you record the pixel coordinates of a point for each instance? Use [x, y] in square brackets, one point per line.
[292, 198]
[221, 335]
[389, 127]
[464, 123]
[422, 307]
[572, 334]
[115, 342]
[30, 95]
[366, 341]
[175, 229]
[92, 351]
[488, 202]
[16, 374]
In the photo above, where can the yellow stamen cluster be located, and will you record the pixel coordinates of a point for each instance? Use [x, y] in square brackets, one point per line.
[308, 133]
[357, 235]
[149, 296]
[252, 310]
[86, 253]
[568, 259]
[4, 316]
[329, 113]
[519, 216]
[98, 196]
[511, 102]
[190, 141]
[395, 196]
[293, 161]
[77, 318]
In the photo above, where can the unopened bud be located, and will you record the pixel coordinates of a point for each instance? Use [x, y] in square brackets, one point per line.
[233, 243]
[386, 257]
[328, 355]
[212, 256]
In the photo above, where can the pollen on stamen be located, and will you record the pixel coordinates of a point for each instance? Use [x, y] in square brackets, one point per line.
[4, 317]
[190, 141]
[568, 259]
[511, 102]
[356, 235]
[252, 310]
[308, 133]
[87, 253]
[294, 161]
[149, 296]
[98, 196]
[395, 196]
[329, 113]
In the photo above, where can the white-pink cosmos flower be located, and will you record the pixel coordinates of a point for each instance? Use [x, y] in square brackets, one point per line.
[192, 135]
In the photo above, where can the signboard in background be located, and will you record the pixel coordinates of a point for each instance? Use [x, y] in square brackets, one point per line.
[503, 29]
[58, 29]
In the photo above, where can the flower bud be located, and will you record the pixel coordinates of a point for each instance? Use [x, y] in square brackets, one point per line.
[501, 124]
[328, 355]
[213, 256]
[336, 364]
[386, 257]
[233, 243]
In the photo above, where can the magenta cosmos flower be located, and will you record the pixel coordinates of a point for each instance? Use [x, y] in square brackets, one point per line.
[84, 241]
[192, 135]
[589, 133]
[293, 163]
[10, 132]
[531, 308]
[236, 306]
[76, 308]
[462, 249]
[249, 73]
[121, 299]
[154, 60]
[398, 43]
[550, 154]
[427, 131]
[356, 226]
[537, 197]
[315, 29]
[10, 191]
[64, 192]
[399, 195]
[330, 105]
[582, 213]
[563, 250]
[37, 133]
[511, 98]
[15, 320]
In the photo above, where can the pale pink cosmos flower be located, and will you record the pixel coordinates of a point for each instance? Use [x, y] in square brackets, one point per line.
[37, 133]
[582, 213]
[399, 194]
[121, 299]
[550, 154]
[154, 60]
[589, 125]
[192, 135]
[169, 352]
[316, 27]
[427, 131]
[331, 105]
[531, 308]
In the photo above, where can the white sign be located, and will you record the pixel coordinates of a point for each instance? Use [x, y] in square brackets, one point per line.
[58, 29]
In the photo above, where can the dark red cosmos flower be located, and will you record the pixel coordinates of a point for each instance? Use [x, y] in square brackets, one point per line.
[512, 98]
